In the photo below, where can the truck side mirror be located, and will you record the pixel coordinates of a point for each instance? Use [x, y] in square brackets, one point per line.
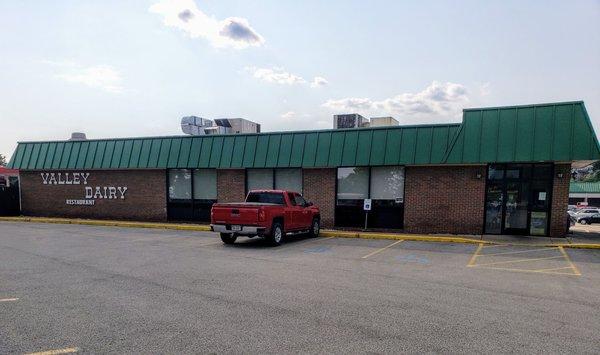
[308, 204]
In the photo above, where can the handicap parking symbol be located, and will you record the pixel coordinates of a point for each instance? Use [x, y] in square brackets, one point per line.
[412, 258]
[318, 249]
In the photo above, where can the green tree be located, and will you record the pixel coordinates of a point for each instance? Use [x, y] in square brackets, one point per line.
[2, 160]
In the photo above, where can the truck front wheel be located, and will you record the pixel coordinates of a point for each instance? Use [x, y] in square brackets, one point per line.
[228, 238]
[315, 227]
[276, 236]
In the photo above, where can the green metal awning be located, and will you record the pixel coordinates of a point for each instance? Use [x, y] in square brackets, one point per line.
[549, 132]
[559, 132]
[584, 187]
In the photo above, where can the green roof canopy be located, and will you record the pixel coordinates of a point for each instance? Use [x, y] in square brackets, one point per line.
[548, 132]
[584, 187]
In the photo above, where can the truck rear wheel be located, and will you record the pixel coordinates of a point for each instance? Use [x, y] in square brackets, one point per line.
[276, 237]
[228, 238]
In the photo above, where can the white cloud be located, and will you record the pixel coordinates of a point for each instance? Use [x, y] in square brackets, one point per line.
[234, 32]
[485, 89]
[102, 77]
[442, 99]
[319, 81]
[275, 75]
[289, 115]
[279, 75]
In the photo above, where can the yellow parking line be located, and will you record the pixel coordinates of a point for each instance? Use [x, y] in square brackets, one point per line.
[564, 253]
[515, 252]
[475, 255]
[519, 261]
[495, 245]
[8, 299]
[526, 270]
[553, 269]
[382, 249]
[55, 352]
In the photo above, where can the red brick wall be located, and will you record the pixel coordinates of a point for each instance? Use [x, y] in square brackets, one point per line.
[319, 188]
[145, 198]
[560, 200]
[231, 185]
[446, 199]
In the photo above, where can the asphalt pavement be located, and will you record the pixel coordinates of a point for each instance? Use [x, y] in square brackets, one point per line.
[127, 290]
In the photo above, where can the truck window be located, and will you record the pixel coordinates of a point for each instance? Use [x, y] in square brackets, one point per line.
[266, 197]
[300, 201]
[291, 197]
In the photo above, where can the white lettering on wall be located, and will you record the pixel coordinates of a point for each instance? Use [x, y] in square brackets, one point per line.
[122, 191]
[91, 193]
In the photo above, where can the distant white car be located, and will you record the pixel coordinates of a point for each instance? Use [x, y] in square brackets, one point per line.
[586, 212]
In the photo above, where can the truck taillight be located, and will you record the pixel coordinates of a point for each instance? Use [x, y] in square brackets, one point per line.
[261, 215]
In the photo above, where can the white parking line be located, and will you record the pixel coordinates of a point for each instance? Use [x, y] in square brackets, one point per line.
[8, 299]
[382, 249]
[56, 351]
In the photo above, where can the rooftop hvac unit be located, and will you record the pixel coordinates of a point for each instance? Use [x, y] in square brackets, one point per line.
[194, 125]
[352, 120]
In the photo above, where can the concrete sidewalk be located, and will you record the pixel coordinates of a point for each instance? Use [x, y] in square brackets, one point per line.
[578, 239]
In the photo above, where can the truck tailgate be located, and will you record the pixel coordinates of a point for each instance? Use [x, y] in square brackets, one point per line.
[235, 214]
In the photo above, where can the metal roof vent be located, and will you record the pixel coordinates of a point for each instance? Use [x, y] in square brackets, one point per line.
[78, 136]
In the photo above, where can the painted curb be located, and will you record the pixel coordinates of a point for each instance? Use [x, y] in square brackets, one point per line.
[324, 233]
[89, 222]
[413, 237]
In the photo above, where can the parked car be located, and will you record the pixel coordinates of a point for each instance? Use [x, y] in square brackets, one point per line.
[271, 214]
[595, 218]
[586, 212]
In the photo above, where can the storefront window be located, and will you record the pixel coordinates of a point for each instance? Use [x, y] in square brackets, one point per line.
[384, 185]
[496, 172]
[387, 183]
[180, 184]
[353, 183]
[191, 194]
[205, 184]
[518, 199]
[288, 179]
[280, 179]
[259, 179]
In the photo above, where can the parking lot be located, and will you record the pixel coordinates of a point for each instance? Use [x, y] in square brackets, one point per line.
[113, 290]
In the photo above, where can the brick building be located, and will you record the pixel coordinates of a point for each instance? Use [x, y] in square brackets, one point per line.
[501, 170]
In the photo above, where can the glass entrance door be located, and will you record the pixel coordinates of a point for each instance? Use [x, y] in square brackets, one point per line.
[518, 199]
[516, 208]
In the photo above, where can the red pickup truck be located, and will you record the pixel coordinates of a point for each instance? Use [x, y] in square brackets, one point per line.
[266, 213]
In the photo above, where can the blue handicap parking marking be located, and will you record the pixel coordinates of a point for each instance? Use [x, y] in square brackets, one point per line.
[412, 258]
[318, 249]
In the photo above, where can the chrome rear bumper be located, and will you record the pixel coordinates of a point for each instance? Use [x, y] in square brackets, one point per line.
[246, 230]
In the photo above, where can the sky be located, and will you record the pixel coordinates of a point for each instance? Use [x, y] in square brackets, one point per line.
[134, 68]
